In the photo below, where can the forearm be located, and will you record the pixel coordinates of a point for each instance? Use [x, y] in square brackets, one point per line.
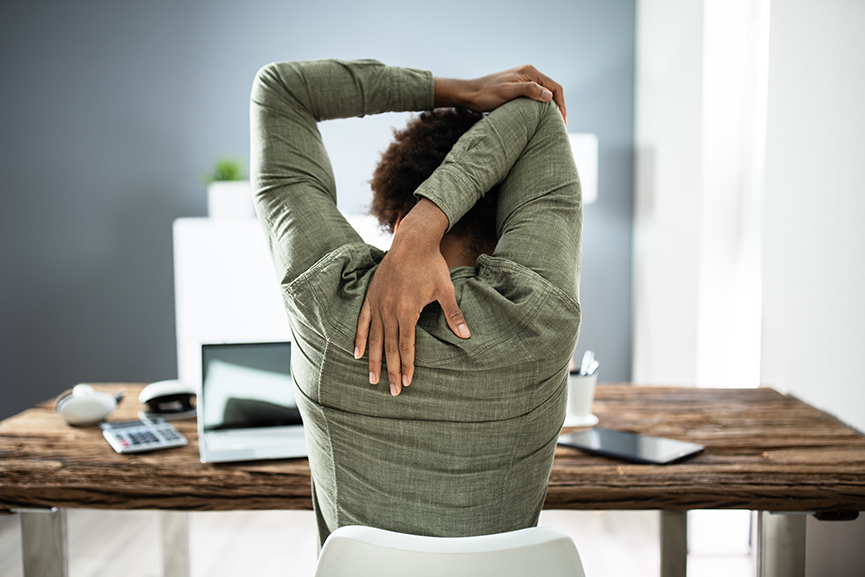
[423, 227]
[329, 89]
[289, 98]
[523, 146]
[293, 184]
[481, 159]
[452, 92]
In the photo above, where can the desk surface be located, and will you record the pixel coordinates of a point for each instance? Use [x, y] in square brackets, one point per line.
[764, 451]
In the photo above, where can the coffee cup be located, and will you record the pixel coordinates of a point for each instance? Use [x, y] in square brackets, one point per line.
[581, 394]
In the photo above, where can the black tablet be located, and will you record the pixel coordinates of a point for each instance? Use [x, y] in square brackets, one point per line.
[630, 446]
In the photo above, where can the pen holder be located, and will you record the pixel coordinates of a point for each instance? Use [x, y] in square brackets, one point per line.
[581, 393]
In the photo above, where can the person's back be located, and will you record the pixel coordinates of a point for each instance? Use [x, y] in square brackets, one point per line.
[467, 448]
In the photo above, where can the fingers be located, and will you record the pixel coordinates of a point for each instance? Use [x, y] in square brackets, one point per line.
[489, 92]
[363, 322]
[559, 98]
[528, 82]
[376, 341]
[385, 336]
[534, 91]
[454, 316]
[399, 348]
[554, 88]
[406, 352]
[396, 336]
[391, 351]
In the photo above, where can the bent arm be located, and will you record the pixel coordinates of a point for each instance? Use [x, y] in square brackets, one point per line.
[524, 146]
[292, 179]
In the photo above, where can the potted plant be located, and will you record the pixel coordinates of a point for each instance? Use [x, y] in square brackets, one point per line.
[228, 191]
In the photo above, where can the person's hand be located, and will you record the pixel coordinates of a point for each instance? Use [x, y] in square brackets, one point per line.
[412, 274]
[490, 92]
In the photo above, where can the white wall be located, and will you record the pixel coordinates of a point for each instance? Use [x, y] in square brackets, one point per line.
[814, 231]
[668, 135]
[702, 120]
[812, 209]
[700, 95]
[814, 227]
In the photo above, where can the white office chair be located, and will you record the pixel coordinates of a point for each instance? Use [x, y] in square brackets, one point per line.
[367, 552]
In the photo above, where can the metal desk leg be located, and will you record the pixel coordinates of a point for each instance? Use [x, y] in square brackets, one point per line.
[43, 542]
[780, 547]
[175, 543]
[674, 543]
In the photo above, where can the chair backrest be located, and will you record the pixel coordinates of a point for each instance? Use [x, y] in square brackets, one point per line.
[366, 552]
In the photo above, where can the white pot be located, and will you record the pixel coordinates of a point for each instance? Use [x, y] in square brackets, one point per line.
[230, 200]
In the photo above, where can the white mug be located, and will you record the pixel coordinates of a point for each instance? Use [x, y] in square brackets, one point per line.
[581, 393]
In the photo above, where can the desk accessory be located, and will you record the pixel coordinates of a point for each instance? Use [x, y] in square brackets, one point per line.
[85, 406]
[645, 449]
[144, 435]
[167, 399]
[581, 393]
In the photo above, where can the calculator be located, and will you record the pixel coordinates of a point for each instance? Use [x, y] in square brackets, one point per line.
[142, 435]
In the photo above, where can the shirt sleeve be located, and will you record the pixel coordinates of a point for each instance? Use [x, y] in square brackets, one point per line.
[523, 146]
[292, 179]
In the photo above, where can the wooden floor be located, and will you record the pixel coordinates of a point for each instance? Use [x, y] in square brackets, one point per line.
[282, 543]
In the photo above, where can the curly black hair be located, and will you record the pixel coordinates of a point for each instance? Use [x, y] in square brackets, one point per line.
[417, 150]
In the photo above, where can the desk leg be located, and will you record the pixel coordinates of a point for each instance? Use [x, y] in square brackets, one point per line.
[780, 547]
[43, 542]
[175, 543]
[674, 543]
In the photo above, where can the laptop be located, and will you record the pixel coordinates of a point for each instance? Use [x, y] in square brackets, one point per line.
[246, 405]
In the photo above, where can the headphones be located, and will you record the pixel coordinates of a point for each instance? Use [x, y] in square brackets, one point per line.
[85, 406]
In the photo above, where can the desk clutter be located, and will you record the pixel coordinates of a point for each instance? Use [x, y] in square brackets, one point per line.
[85, 406]
[764, 451]
[245, 407]
[169, 400]
[138, 436]
[581, 392]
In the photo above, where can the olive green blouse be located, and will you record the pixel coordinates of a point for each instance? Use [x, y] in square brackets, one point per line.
[467, 448]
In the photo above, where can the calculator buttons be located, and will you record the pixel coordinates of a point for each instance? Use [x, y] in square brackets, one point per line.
[143, 435]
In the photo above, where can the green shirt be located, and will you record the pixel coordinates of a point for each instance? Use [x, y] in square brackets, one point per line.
[467, 449]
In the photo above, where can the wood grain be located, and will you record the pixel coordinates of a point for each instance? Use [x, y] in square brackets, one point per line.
[44, 462]
[764, 451]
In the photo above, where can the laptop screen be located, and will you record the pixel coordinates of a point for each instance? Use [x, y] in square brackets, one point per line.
[247, 385]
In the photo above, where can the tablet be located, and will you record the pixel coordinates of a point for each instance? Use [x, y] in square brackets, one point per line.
[630, 446]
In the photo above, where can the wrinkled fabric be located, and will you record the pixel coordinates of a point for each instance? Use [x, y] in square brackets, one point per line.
[467, 448]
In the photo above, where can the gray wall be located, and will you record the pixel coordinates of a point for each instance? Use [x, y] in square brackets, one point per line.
[112, 111]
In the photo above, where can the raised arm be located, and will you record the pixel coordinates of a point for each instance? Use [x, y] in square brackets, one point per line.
[292, 180]
[523, 145]
[510, 139]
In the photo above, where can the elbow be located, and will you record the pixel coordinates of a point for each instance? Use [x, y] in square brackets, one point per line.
[267, 73]
[263, 81]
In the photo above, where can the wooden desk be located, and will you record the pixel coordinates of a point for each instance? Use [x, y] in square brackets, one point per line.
[764, 452]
